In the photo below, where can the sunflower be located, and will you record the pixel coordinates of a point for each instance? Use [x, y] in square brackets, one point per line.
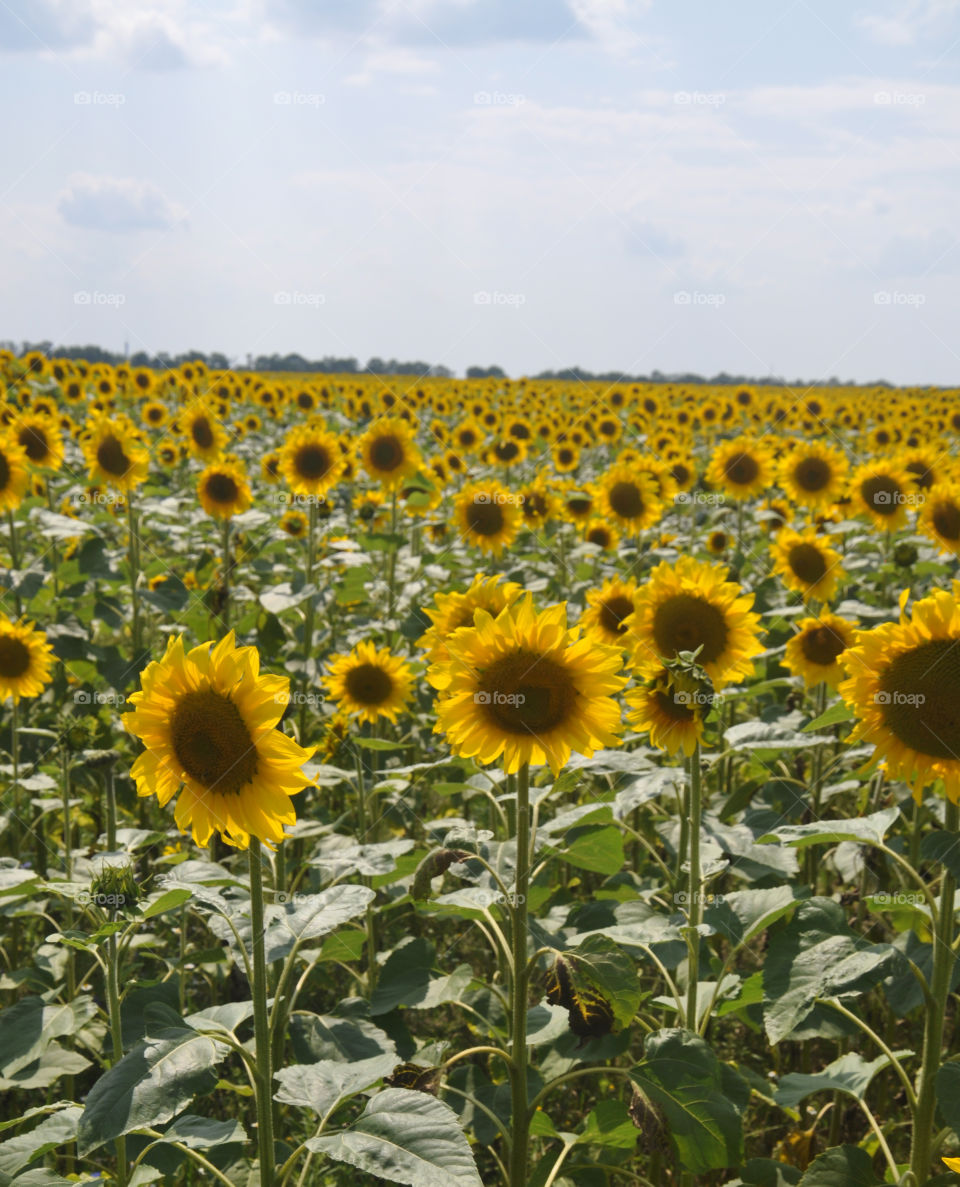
[223, 489]
[904, 687]
[270, 467]
[39, 439]
[741, 468]
[155, 414]
[882, 490]
[773, 514]
[718, 541]
[25, 660]
[204, 434]
[629, 498]
[294, 523]
[813, 474]
[311, 460]
[939, 518]
[208, 721]
[566, 457]
[389, 453]
[690, 605]
[525, 687]
[454, 610]
[807, 564]
[487, 515]
[370, 683]
[114, 452]
[815, 650]
[168, 455]
[671, 710]
[538, 503]
[14, 475]
[608, 609]
[604, 535]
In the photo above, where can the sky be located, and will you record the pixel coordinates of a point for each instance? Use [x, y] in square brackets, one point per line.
[633, 185]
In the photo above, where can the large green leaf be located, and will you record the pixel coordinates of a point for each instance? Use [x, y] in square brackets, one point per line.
[319, 1086]
[948, 1094]
[324, 1036]
[150, 1085]
[851, 1073]
[869, 830]
[405, 1137]
[201, 1133]
[18, 1152]
[598, 848]
[406, 980]
[30, 1025]
[742, 914]
[702, 1100]
[841, 1166]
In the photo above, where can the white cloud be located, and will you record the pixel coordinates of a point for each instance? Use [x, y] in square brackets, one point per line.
[117, 204]
[909, 21]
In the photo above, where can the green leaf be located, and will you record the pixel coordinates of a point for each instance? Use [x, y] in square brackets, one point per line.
[18, 1152]
[599, 849]
[836, 713]
[766, 1172]
[149, 1086]
[611, 972]
[866, 830]
[168, 901]
[841, 1166]
[55, 1062]
[324, 1036]
[767, 736]
[407, 980]
[701, 1099]
[943, 847]
[200, 1133]
[405, 1137]
[851, 1073]
[743, 914]
[30, 1025]
[948, 1094]
[609, 1125]
[377, 744]
[319, 1086]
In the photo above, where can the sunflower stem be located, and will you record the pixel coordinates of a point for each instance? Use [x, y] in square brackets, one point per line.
[943, 962]
[133, 553]
[308, 619]
[225, 546]
[110, 796]
[520, 1105]
[369, 921]
[392, 570]
[261, 1024]
[694, 895]
[15, 760]
[14, 562]
[812, 861]
[116, 1037]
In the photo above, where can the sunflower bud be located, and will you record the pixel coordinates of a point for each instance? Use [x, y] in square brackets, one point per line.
[432, 866]
[115, 890]
[905, 555]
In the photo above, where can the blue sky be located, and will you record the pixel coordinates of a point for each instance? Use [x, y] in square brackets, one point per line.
[751, 187]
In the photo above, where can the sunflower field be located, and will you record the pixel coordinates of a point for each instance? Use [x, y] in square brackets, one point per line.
[476, 782]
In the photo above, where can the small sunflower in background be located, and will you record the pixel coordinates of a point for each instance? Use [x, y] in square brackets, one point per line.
[939, 518]
[115, 453]
[815, 651]
[369, 683]
[202, 431]
[566, 457]
[773, 514]
[813, 475]
[154, 414]
[538, 503]
[601, 534]
[672, 709]
[487, 516]
[270, 467]
[25, 660]
[524, 688]
[690, 605]
[454, 610]
[40, 440]
[223, 489]
[882, 491]
[467, 437]
[718, 541]
[14, 475]
[388, 452]
[294, 523]
[629, 499]
[741, 468]
[168, 455]
[208, 720]
[578, 506]
[807, 564]
[904, 687]
[507, 451]
[608, 610]
[311, 461]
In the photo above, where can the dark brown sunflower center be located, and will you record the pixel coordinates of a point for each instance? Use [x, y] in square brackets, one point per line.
[202, 433]
[613, 611]
[506, 451]
[812, 474]
[305, 400]
[742, 469]
[565, 456]
[626, 499]
[154, 414]
[312, 461]
[534, 506]
[368, 684]
[526, 693]
[808, 563]
[684, 621]
[881, 493]
[222, 488]
[919, 698]
[112, 457]
[14, 657]
[922, 476]
[821, 645]
[386, 453]
[578, 506]
[4, 471]
[680, 473]
[599, 535]
[946, 521]
[670, 705]
[34, 442]
[484, 519]
[212, 742]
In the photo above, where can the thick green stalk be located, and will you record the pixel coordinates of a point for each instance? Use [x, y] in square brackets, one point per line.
[14, 559]
[111, 798]
[943, 961]
[308, 620]
[133, 554]
[520, 1114]
[225, 547]
[261, 1024]
[15, 759]
[694, 890]
[113, 1006]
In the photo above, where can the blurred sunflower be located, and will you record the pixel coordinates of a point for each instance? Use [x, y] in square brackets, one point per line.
[25, 660]
[807, 564]
[14, 475]
[154, 414]
[904, 687]
[608, 609]
[208, 721]
[671, 710]
[741, 468]
[294, 523]
[487, 516]
[39, 439]
[939, 518]
[114, 452]
[815, 651]
[223, 489]
[690, 605]
[566, 457]
[629, 498]
[813, 474]
[311, 461]
[204, 434]
[602, 534]
[270, 467]
[369, 683]
[718, 541]
[389, 453]
[454, 610]
[523, 688]
[882, 491]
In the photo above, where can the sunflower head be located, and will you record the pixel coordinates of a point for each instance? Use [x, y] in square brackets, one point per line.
[741, 468]
[25, 660]
[672, 709]
[455, 610]
[609, 611]
[311, 460]
[813, 474]
[487, 516]
[939, 517]
[389, 453]
[370, 682]
[807, 564]
[223, 489]
[115, 454]
[882, 491]
[629, 497]
[14, 474]
[815, 651]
